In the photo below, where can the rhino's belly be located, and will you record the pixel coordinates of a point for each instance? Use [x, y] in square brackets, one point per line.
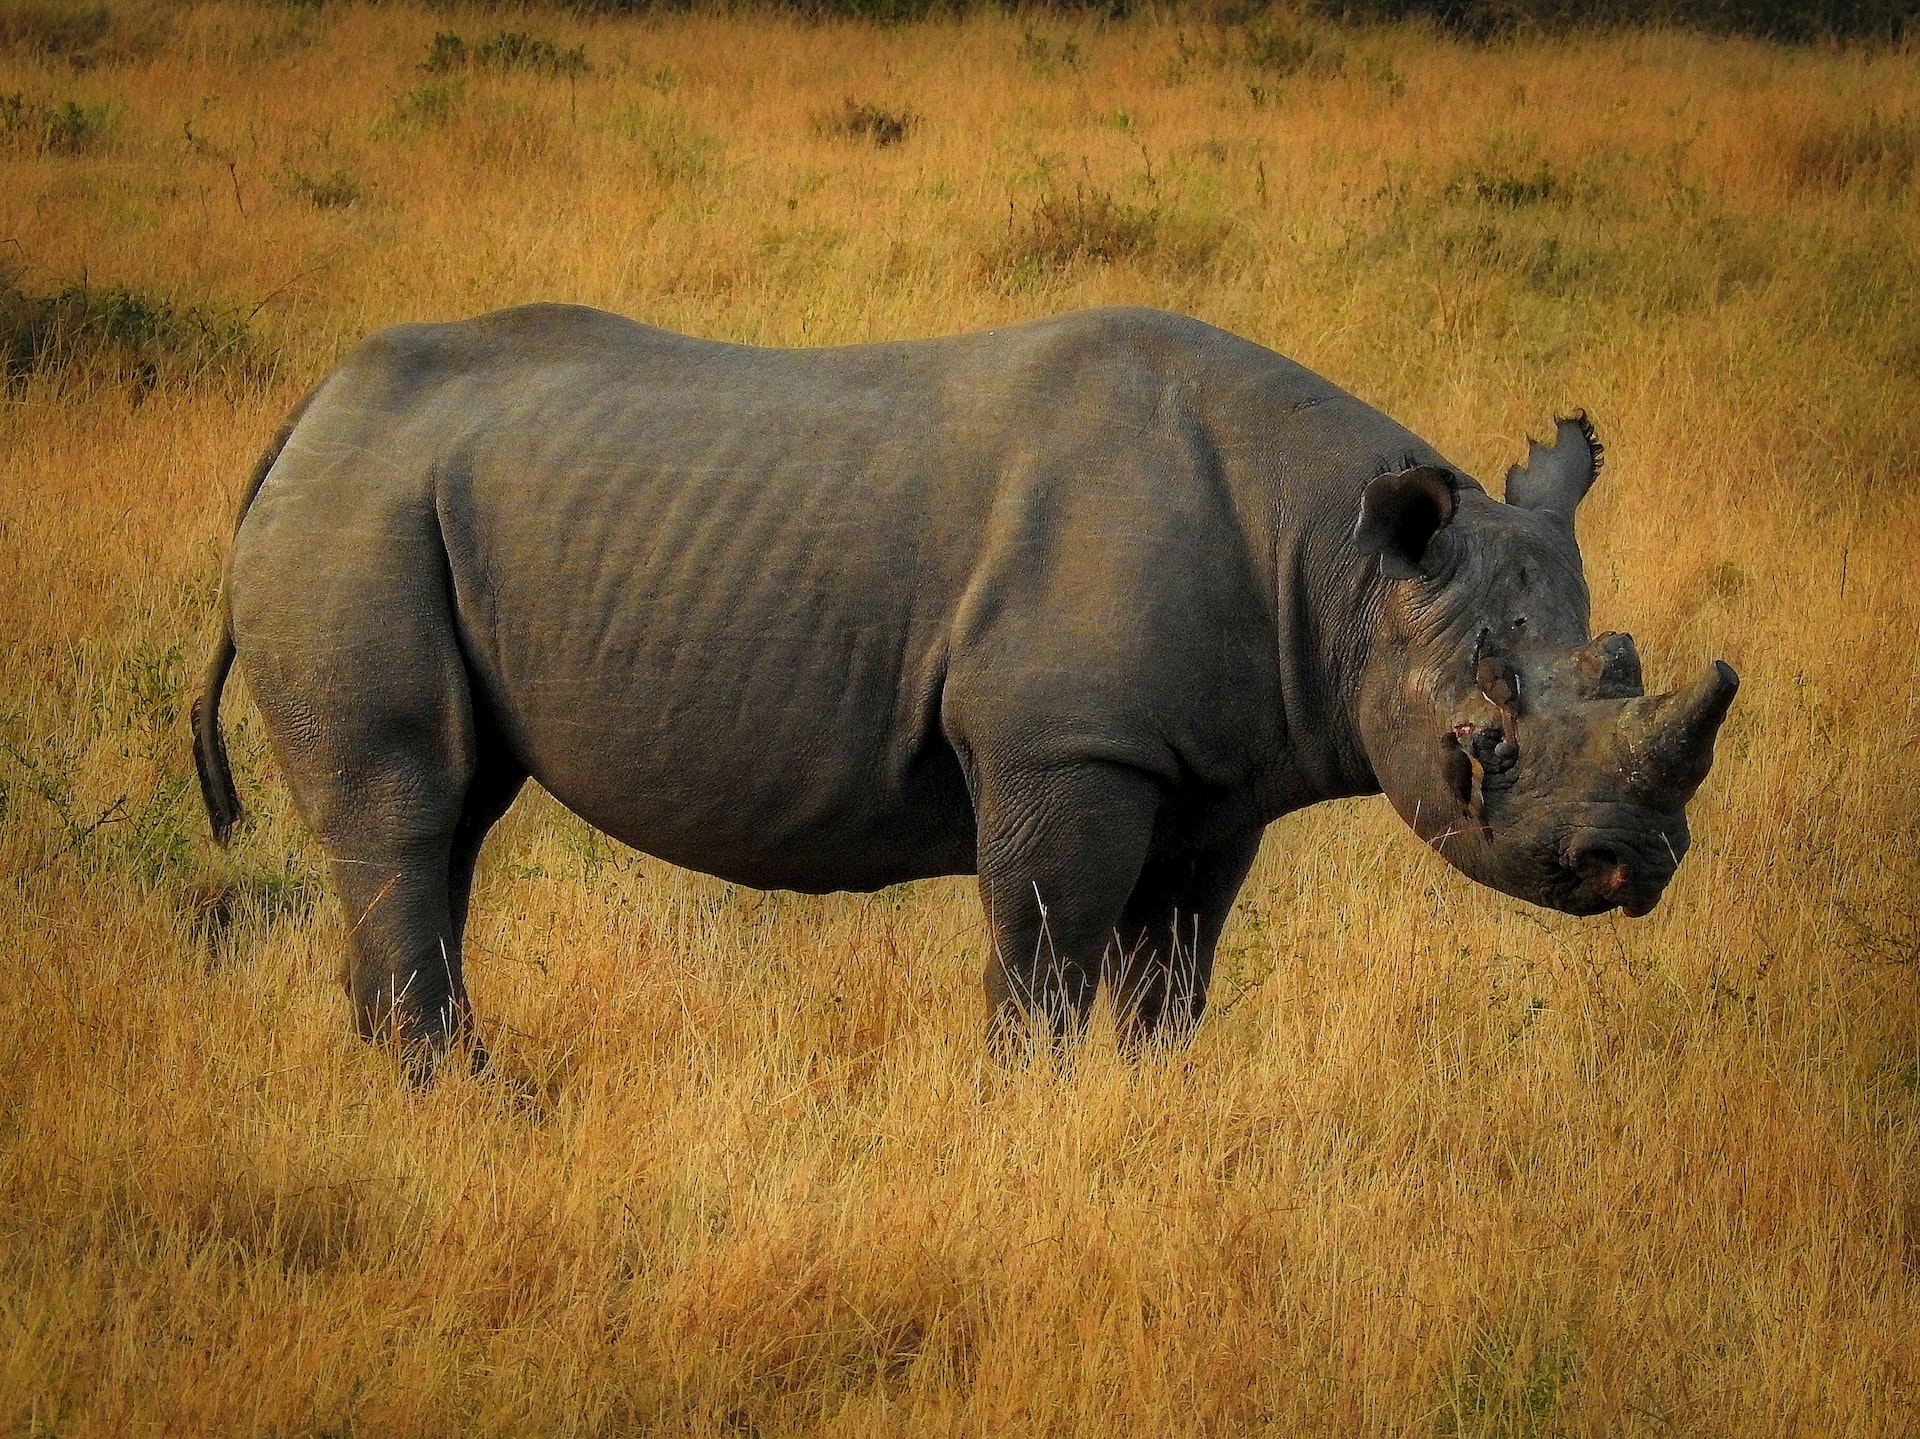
[917, 837]
[760, 758]
[765, 812]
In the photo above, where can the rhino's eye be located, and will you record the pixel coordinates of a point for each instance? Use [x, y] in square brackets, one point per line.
[1520, 622]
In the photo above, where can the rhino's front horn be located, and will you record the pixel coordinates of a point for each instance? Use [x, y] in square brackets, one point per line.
[1670, 737]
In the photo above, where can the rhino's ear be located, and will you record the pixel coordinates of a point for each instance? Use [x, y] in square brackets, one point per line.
[1557, 479]
[1402, 517]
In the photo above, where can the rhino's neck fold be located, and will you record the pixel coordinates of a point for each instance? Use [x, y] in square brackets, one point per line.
[1328, 604]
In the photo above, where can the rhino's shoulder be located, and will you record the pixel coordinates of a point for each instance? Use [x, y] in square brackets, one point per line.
[1140, 333]
[522, 334]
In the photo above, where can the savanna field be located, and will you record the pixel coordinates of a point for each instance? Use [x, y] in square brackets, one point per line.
[1437, 1162]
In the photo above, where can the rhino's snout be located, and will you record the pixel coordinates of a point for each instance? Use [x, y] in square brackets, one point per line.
[1615, 872]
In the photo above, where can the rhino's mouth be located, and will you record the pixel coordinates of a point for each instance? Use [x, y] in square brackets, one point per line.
[1614, 868]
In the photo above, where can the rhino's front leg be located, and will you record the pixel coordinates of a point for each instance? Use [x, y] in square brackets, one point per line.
[1164, 959]
[1060, 851]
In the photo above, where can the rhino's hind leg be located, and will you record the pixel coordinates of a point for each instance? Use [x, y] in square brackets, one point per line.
[406, 880]
[496, 782]
[384, 760]
[403, 961]
[1163, 952]
[1060, 851]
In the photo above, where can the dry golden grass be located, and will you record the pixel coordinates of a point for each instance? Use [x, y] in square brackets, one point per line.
[1437, 1163]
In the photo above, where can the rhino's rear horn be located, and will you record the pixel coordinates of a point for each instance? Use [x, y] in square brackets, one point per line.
[1609, 667]
[1498, 678]
[1556, 479]
[1670, 737]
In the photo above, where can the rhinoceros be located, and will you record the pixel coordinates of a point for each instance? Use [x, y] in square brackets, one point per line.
[1079, 606]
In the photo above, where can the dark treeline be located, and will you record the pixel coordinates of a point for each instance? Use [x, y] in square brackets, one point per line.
[92, 30]
[1479, 20]
[1789, 20]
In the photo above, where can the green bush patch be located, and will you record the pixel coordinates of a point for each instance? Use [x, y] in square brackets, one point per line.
[121, 336]
[875, 124]
[1091, 227]
[1870, 154]
[1511, 191]
[64, 129]
[82, 35]
[334, 189]
[509, 50]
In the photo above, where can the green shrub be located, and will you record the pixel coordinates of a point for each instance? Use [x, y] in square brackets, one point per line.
[334, 189]
[64, 129]
[1870, 154]
[1091, 227]
[82, 35]
[1509, 190]
[509, 50]
[875, 124]
[121, 336]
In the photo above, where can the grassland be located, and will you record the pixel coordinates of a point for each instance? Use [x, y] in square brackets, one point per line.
[1437, 1163]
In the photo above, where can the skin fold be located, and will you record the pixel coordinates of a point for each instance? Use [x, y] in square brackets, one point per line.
[1078, 606]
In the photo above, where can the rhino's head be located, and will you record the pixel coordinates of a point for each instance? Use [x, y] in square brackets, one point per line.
[1522, 749]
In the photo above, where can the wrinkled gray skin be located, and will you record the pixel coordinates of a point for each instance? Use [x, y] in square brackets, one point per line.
[1080, 606]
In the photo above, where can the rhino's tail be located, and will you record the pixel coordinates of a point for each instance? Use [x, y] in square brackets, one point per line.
[209, 745]
[217, 791]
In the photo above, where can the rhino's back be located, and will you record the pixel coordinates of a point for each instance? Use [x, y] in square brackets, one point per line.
[710, 593]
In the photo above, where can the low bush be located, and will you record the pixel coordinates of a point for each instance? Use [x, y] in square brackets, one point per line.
[82, 35]
[1869, 153]
[121, 336]
[1092, 227]
[333, 189]
[875, 124]
[64, 129]
[509, 50]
